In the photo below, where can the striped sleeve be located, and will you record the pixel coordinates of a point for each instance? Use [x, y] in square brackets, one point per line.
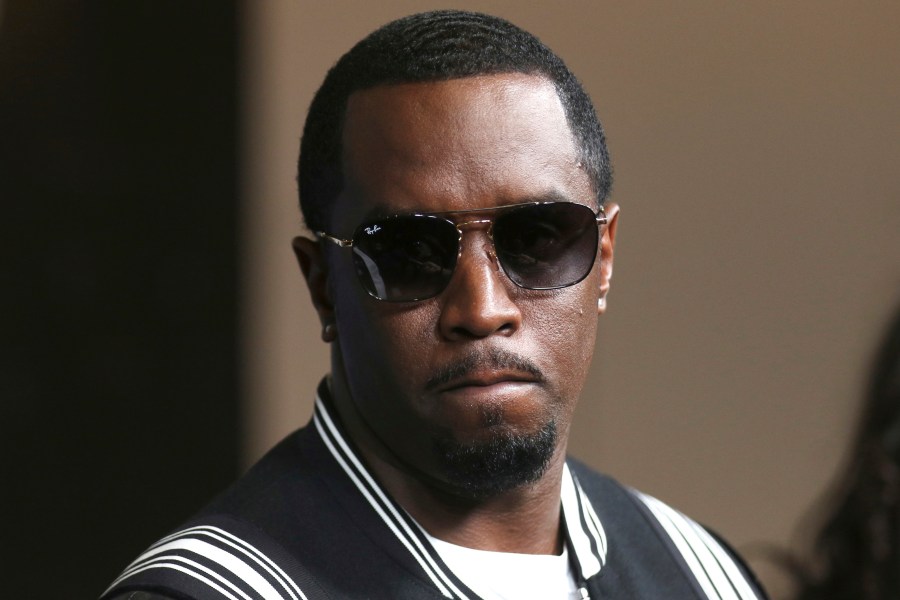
[208, 563]
[717, 574]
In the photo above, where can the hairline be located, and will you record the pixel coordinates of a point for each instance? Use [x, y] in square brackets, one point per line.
[322, 179]
[535, 75]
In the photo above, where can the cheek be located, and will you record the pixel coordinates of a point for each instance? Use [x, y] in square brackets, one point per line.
[407, 338]
[382, 344]
[566, 326]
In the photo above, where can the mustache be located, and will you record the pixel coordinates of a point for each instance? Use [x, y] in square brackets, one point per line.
[493, 359]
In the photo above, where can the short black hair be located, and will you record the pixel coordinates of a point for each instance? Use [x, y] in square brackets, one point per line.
[435, 46]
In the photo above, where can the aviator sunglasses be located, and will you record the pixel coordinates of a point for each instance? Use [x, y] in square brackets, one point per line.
[410, 257]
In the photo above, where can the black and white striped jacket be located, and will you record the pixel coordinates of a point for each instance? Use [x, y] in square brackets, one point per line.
[310, 522]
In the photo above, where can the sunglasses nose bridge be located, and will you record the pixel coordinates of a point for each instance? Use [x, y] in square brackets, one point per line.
[482, 222]
[488, 225]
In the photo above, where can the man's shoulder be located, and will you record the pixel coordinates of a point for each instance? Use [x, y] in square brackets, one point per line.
[214, 557]
[290, 469]
[244, 539]
[643, 530]
[592, 479]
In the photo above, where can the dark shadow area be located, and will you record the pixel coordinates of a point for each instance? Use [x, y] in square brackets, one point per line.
[118, 381]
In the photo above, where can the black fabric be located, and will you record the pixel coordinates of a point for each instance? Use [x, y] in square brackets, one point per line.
[748, 573]
[299, 507]
[142, 596]
[640, 561]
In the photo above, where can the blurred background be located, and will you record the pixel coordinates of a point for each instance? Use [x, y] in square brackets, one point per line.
[156, 336]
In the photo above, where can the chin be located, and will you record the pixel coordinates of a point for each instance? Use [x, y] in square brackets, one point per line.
[503, 461]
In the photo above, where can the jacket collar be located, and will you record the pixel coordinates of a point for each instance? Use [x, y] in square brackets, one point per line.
[585, 535]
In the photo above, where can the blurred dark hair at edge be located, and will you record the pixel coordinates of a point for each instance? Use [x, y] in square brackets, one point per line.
[856, 550]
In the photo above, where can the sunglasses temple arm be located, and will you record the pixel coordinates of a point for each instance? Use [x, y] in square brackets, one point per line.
[336, 240]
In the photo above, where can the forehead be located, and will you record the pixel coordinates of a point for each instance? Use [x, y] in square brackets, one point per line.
[456, 145]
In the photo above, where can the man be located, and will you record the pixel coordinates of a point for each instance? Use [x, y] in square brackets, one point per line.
[456, 178]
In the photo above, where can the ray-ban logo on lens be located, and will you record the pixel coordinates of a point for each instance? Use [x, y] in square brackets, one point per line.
[373, 229]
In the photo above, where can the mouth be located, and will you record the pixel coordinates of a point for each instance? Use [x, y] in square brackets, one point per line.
[489, 381]
[487, 369]
[484, 401]
[485, 389]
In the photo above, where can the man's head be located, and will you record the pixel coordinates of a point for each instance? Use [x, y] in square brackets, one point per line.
[435, 46]
[471, 386]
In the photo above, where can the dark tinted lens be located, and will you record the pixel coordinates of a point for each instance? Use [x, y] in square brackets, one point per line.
[547, 246]
[405, 258]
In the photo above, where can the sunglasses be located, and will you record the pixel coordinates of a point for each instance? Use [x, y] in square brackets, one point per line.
[539, 245]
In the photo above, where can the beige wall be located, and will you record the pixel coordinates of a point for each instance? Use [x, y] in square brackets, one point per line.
[756, 148]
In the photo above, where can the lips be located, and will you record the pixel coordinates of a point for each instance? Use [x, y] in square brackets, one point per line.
[490, 379]
[485, 400]
[484, 389]
[484, 369]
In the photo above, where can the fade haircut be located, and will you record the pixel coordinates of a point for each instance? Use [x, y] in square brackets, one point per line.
[435, 46]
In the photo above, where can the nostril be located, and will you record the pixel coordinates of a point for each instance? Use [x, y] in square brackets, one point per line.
[506, 328]
[464, 333]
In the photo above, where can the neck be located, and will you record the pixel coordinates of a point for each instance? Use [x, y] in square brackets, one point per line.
[525, 519]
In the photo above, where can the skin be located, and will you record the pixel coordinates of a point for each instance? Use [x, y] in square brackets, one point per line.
[468, 143]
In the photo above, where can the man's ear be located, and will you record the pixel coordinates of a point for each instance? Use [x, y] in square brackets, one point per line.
[607, 245]
[312, 263]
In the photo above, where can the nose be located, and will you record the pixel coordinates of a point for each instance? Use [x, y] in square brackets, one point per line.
[479, 300]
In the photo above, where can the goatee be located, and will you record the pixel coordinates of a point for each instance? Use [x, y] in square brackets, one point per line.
[504, 462]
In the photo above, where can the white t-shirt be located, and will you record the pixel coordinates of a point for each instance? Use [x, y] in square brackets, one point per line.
[510, 576]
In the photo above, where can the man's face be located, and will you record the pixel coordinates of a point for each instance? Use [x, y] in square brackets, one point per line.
[476, 386]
